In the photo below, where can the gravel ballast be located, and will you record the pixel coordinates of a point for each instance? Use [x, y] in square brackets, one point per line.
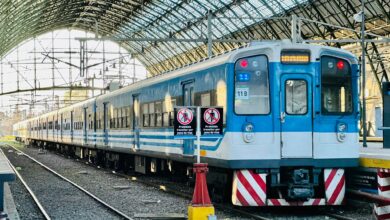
[60, 199]
[135, 199]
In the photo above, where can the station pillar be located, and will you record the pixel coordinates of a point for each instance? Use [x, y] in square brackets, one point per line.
[200, 207]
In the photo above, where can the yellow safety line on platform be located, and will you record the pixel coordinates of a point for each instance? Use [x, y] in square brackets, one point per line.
[374, 163]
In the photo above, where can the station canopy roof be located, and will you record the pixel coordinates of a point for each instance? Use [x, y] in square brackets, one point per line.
[187, 19]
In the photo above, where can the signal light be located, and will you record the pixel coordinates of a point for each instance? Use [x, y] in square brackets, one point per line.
[340, 65]
[244, 63]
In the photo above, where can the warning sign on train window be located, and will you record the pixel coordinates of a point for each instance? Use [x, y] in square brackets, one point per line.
[211, 121]
[185, 122]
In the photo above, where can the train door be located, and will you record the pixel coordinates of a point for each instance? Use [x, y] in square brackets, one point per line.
[105, 122]
[188, 100]
[136, 121]
[296, 116]
[85, 127]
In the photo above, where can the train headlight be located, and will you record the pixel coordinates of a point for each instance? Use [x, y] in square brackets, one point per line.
[248, 127]
[341, 129]
[248, 134]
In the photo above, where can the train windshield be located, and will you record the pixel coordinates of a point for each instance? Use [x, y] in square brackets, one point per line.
[251, 86]
[336, 86]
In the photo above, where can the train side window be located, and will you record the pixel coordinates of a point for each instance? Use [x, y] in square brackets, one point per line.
[128, 120]
[119, 117]
[115, 118]
[158, 114]
[251, 86]
[152, 116]
[145, 113]
[117, 112]
[123, 113]
[296, 97]
[171, 113]
[205, 99]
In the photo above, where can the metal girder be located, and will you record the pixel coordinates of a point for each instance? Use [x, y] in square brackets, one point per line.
[66, 88]
[379, 70]
[164, 19]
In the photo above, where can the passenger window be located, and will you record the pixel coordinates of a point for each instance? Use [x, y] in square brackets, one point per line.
[251, 86]
[128, 110]
[152, 117]
[296, 97]
[205, 99]
[158, 114]
[145, 113]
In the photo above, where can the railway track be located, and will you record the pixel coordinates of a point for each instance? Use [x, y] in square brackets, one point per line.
[249, 213]
[35, 197]
[241, 211]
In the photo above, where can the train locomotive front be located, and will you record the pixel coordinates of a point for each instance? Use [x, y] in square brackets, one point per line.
[292, 126]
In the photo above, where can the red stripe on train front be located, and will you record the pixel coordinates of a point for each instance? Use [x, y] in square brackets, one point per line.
[334, 186]
[259, 181]
[330, 177]
[249, 188]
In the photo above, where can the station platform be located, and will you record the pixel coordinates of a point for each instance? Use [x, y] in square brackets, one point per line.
[7, 204]
[374, 155]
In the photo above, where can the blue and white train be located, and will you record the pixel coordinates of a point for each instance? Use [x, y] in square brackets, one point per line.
[291, 115]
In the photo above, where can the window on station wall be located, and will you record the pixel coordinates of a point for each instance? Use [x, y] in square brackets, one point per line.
[145, 113]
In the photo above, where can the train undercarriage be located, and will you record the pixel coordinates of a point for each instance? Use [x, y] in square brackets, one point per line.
[285, 186]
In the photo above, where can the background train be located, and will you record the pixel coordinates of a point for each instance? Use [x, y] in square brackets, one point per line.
[291, 115]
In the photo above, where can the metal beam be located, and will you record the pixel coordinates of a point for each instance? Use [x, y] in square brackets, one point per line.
[53, 88]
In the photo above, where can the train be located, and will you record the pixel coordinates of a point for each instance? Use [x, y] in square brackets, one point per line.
[290, 124]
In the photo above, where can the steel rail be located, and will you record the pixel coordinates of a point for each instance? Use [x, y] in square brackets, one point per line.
[123, 215]
[173, 191]
[168, 189]
[32, 194]
[369, 196]
[185, 195]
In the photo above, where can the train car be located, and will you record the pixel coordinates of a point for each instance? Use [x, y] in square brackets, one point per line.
[291, 115]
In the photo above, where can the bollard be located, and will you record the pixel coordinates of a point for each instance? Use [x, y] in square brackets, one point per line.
[200, 207]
